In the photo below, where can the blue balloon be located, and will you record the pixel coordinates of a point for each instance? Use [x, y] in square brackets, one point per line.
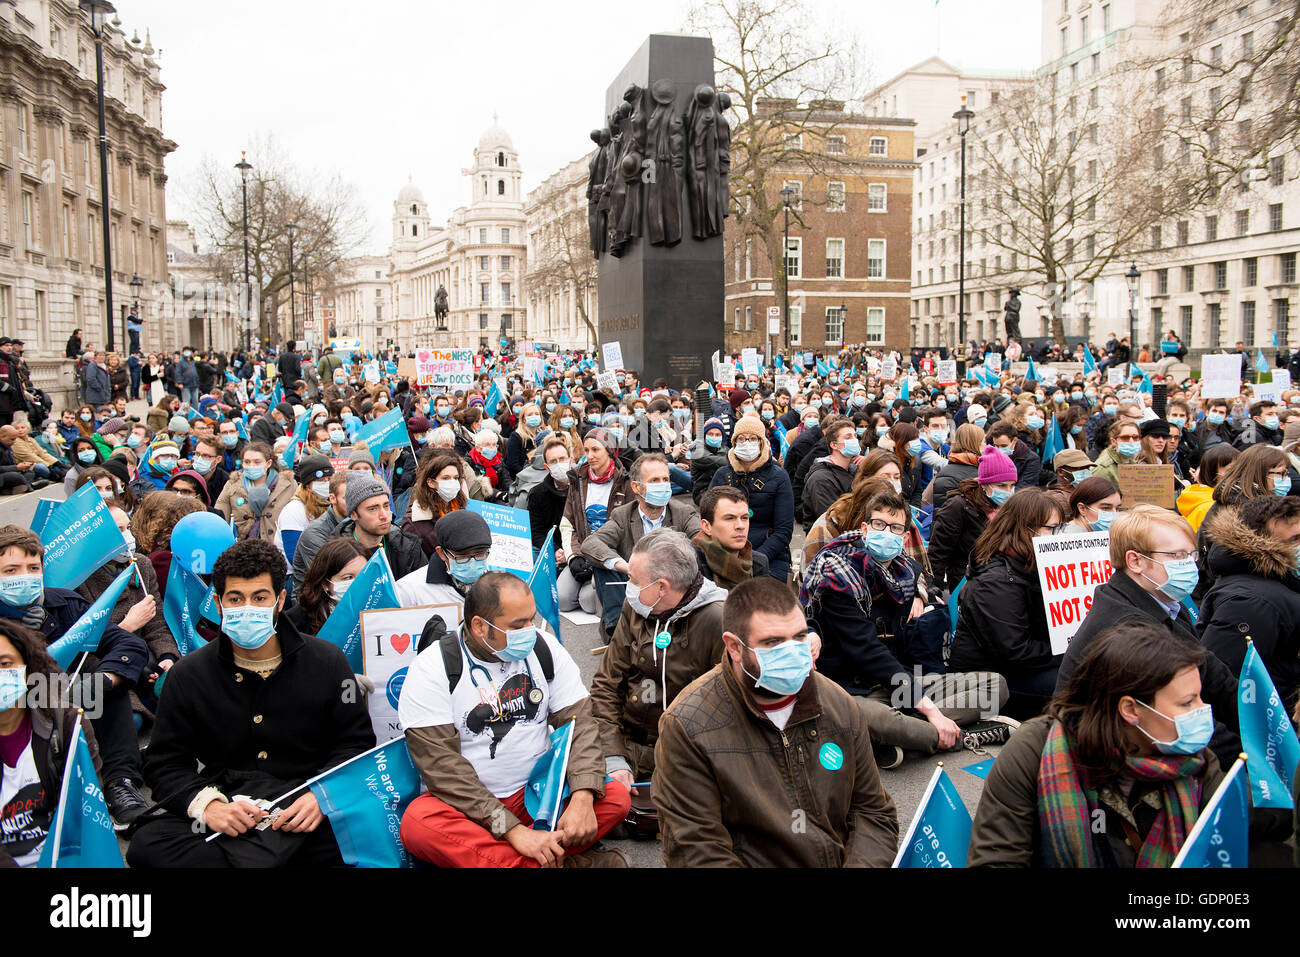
[198, 539]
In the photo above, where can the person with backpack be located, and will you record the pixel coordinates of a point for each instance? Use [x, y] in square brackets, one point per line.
[477, 713]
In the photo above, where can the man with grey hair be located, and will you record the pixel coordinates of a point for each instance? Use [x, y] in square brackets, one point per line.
[670, 633]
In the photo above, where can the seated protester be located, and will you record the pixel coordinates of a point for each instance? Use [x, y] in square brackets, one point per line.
[338, 562]
[1125, 446]
[878, 471]
[934, 442]
[111, 435]
[312, 475]
[594, 491]
[1071, 422]
[370, 523]
[256, 494]
[963, 463]
[1117, 771]
[868, 602]
[1256, 592]
[666, 595]
[804, 441]
[1002, 436]
[904, 440]
[397, 468]
[1262, 427]
[152, 524]
[960, 521]
[1195, 500]
[609, 547]
[477, 712]
[232, 447]
[157, 466]
[26, 451]
[360, 460]
[439, 489]
[729, 737]
[34, 735]
[1001, 624]
[139, 611]
[121, 661]
[321, 529]
[751, 468]
[485, 460]
[1154, 570]
[457, 562]
[830, 476]
[190, 484]
[1093, 505]
[286, 717]
[723, 550]
[1069, 468]
[83, 453]
[524, 440]
[707, 455]
[1259, 471]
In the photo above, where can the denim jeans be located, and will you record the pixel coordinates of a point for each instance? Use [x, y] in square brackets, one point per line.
[612, 594]
[680, 480]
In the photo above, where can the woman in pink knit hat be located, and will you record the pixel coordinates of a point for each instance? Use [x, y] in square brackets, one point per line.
[967, 510]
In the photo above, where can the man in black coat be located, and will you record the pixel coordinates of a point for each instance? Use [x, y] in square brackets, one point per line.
[261, 710]
[289, 365]
[274, 424]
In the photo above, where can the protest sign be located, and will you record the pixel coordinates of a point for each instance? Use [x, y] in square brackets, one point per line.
[993, 362]
[1282, 379]
[512, 537]
[1115, 376]
[612, 352]
[889, 368]
[384, 433]
[372, 372]
[727, 376]
[372, 588]
[388, 640]
[607, 382]
[946, 372]
[940, 830]
[1070, 567]
[785, 382]
[449, 369]
[749, 361]
[1220, 376]
[1146, 484]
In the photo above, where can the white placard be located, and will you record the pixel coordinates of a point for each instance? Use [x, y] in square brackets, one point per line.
[613, 355]
[749, 361]
[727, 376]
[993, 361]
[946, 372]
[608, 382]
[388, 640]
[889, 369]
[1220, 376]
[785, 382]
[1070, 567]
[1114, 376]
[1282, 379]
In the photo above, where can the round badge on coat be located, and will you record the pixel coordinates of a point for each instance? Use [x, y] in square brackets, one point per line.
[535, 696]
[831, 757]
[239, 501]
[663, 640]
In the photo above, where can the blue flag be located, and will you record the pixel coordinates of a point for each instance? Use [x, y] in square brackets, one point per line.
[1032, 371]
[548, 785]
[82, 835]
[1145, 385]
[906, 394]
[384, 433]
[1260, 364]
[952, 602]
[1054, 442]
[88, 630]
[365, 798]
[496, 393]
[822, 368]
[44, 508]
[277, 394]
[940, 832]
[373, 588]
[1272, 750]
[79, 536]
[1089, 363]
[543, 583]
[299, 437]
[1221, 837]
[241, 425]
[185, 603]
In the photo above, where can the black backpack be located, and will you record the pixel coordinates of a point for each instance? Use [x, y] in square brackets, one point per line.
[454, 663]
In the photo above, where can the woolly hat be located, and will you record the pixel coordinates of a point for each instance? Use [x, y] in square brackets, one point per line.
[115, 424]
[995, 467]
[179, 424]
[604, 438]
[976, 411]
[417, 425]
[361, 455]
[748, 425]
[312, 467]
[713, 422]
[737, 397]
[361, 486]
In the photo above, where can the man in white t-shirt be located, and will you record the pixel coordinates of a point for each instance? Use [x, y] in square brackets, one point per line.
[477, 709]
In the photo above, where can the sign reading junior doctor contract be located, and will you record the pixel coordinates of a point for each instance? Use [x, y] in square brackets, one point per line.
[1070, 567]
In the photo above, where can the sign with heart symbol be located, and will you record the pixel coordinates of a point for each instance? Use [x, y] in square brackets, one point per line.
[388, 640]
[400, 643]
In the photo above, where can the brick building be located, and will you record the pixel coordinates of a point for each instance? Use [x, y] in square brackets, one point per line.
[849, 257]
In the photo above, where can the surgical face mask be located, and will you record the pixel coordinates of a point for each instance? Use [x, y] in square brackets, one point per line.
[1270, 421]
[13, 686]
[1000, 495]
[129, 552]
[1103, 519]
[279, 459]
[938, 437]
[980, 421]
[230, 441]
[532, 421]
[488, 454]
[658, 493]
[859, 400]
[1076, 395]
[448, 489]
[321, 489]
[1110, 409]
[593, 417]
[681, 413]
[86, 417]
[86, 456]
[326, 447]
[1281, 484]
[634, 599]
[559, 471]
[852, 448]
[768, 414]
[884, 546]
[248, 626]
[882, 430]
[1034, 421]
[1128, 449]
[815, 403]
[1058, 398]
[22, 591]
[202, 466]
[615, 433]
[567, 422]
[442, 411]
[133, 441]
[1214, 418]
[1005, 449]
[1179, 421]
[339, 588]
[747, 451]
[799, 407]
[1080, 475]
[941, 404]
[338, 436]
[784, 669]
[746, 409]
[254, 472]
[1183, 576]
[467, 570]
[915, 446]
[1195, 728]
[167, 464]
[713, 441]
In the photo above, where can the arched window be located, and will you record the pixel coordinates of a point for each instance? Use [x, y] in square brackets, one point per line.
[501, 159]
[415, 230]
[414, 209]
[501, 187]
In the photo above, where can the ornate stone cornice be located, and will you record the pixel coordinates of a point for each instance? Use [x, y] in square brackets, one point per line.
[80, 131]
[160, 179]
[124, 158]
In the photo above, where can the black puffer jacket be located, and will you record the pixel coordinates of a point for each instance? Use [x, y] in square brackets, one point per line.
[405, 553]
[956, 527]
[1256, 595]
[1001, 624]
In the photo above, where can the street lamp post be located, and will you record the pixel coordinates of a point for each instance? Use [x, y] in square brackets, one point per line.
[136, 285]
[244, 166]
[786, 195]
[293, 310]
[1132, 276]
[99, 11]
[963, 118]
[844, 319]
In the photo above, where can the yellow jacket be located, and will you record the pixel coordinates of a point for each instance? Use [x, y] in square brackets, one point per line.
[25, 449]
[1194, 503]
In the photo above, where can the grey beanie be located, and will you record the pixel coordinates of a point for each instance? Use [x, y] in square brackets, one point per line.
[361, 486]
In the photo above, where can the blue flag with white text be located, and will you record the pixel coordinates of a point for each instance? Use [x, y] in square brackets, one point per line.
[186, 602]
[79, 536]
[1267, 737]
[81, 834]
[365, 799]
[940, 832]
[384, 433]
[373, 588]
[88, 630]
[544, 585]
[547, 784]
[1221, 836]
[44, 509]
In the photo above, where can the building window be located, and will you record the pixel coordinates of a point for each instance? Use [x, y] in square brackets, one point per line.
[834, 325]
[1189, 278]
[1251, 271]
[876, 325]
[1216, 325]
[482, 235]
[795, 322]
[1281, 321]
[1211, 228]
[875, 259]
[505, 262]
[878, 146]
[505, 235]
[834, 197]
[834, 259]
[1105, 19]
[379, 311]
[485, 263]
[485, 292]
[1162, 282]
[1185, 320]
[482, 320]
[749, 318]
[507, 320]
[793, 257]
[1288, 269]
[794, 141]
[835, 145]
[24, 122]
[1221, 275]
[795, 185]
[29, 224]
[1275, 217]
[737, 319]
[501, 187]
[501, 159]
[1183, 232]
[877, 196]
[1155, 238]
[1243, 222]
[749, 258]
[1248, 323]
[505, 293]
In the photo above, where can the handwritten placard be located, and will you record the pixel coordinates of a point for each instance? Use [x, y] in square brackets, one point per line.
[1146, 485]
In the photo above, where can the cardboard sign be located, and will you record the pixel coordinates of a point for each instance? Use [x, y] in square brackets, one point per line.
[388, 640]
[1146, 485]
[406, 368]
[727, 376]
[749, 361]
[607, 382]
[512, 536]
[1115, 376]
[613, 355]
[889, 369]
[1070, 567]
[1221, 376]
[946, 372]
[993, 362]
[449, 369]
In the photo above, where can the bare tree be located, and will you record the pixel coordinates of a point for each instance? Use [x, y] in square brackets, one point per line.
[331, 222]
[788, 77]
[561, 255]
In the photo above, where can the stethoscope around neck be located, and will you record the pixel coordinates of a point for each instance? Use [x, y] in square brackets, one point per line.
[491, 694]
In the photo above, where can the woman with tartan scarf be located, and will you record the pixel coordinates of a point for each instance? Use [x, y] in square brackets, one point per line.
[1117, 771]
[485, 460]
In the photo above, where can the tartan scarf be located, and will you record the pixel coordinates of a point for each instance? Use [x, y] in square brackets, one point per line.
[1066, 802]
[729, 568]
[844, 565]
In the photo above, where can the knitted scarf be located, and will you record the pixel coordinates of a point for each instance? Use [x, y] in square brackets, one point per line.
[1066, 802]
[489, 468]
[729, 568]
[964, 458]
[846, 566]
[604, 476]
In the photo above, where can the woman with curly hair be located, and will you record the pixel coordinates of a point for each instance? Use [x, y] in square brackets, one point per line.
[152, 526]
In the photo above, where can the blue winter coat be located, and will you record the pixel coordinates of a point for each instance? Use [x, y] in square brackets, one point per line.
[771, 499]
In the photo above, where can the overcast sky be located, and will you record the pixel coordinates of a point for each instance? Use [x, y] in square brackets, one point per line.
[397, 88]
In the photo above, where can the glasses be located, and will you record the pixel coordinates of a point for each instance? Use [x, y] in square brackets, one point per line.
[479, 553]
[879, 525]
[1176, 556]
